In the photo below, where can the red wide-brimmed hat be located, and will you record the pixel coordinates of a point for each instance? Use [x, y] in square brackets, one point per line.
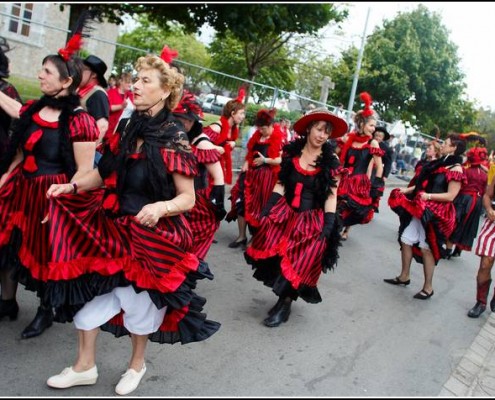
[340, 126]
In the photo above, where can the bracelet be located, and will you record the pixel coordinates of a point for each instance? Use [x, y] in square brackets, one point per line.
[74, 185]
[166, 207]
[429, 196]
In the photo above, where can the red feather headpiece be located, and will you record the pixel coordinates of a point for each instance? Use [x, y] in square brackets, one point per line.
[367, 100]
[168, 54]
[81, 30]
[241, 94]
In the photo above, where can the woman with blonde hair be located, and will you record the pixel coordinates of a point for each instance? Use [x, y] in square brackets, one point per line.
[123, 259]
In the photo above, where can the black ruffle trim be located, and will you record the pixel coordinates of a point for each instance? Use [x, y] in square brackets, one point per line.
[194, 327]
[68, 297]
[268, 271]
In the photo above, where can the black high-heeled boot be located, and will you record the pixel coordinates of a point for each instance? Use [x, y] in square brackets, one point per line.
[9, 308]
[280, 315]
[42, 321]
[276, 307]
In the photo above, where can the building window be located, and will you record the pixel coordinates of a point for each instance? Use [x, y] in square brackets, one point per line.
[20, 22]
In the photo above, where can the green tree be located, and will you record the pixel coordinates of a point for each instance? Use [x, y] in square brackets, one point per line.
[148, 37]
[229, 56]
[485, 124]
[411, 69]
[262, 29]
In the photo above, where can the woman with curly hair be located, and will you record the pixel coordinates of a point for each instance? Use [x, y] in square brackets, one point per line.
[298, 237]
[123, 259]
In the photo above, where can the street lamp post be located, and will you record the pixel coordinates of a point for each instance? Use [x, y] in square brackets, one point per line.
[358, 67]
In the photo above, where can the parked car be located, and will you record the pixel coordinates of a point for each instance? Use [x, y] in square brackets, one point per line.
[212, 103]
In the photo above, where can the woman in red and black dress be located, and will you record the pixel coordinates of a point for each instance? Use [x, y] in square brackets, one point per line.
[53, 142]
[427, 213]
[468, 203]
[300, 235]
[8, 286]
[357, 193]
[225, 132]
[123, 259]
[258, 175]
[208, 211]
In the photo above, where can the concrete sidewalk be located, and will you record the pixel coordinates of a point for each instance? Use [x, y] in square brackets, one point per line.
[474, 376]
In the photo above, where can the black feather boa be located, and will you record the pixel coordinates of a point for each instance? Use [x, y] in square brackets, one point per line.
[325, 185]
[69, 105]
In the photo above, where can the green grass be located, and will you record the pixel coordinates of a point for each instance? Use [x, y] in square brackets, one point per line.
[28, 88]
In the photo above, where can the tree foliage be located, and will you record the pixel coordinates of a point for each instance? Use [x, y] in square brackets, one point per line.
[262, 29]
[233, 58]
[411, 69]
[148, 37]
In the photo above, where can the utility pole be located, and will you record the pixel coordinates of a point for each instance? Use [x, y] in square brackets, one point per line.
[358, 67]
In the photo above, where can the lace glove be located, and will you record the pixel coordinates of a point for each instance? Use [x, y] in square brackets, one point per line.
[328, 224]
[270, 203]
[217, 195]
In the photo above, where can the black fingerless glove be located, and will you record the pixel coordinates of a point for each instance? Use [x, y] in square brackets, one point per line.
[328, 224]
[217, 195]
[377, 187]
[270, 203]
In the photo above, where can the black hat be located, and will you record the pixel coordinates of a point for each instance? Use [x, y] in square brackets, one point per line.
[97, 65]
[382, 129]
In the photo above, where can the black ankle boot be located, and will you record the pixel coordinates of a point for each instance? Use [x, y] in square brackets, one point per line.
[276, 307]
[456, 252]
[477, 310]
[9, 308]
[279, 316]
[42, 320]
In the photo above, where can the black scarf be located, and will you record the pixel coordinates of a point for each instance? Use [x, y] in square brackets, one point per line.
[69, 107]
[157, 132]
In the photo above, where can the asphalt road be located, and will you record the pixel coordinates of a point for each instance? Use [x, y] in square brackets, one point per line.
[366, 338]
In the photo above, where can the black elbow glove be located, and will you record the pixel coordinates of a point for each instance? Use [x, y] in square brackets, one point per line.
[377, 187]
[217, 195]
[270, 203]
[328, 224]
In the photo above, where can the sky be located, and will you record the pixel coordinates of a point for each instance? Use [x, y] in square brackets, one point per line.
[471, 27]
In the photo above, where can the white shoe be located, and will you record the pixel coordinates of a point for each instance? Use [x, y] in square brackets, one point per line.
[68, 378]
[130, 381]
